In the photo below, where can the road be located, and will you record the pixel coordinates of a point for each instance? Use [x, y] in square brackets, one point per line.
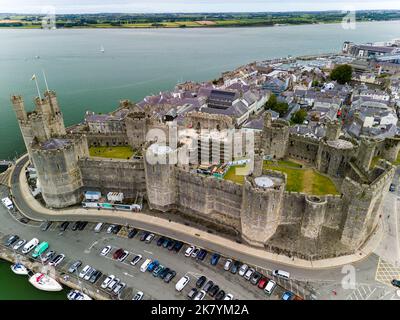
[324, 283]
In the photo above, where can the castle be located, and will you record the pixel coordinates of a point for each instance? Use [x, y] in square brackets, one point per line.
[260, 211]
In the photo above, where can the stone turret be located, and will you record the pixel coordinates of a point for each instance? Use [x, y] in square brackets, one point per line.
[391, 148]
[275, 137]
[314, 215]
[365, 154]
[333, 130]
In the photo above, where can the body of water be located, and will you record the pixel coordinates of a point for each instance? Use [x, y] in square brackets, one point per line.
[137, 63]
[17, 287]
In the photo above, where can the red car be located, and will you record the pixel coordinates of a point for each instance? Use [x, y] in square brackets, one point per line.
[263, 282]
[118, 253]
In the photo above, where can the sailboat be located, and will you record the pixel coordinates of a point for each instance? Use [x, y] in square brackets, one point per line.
[43, 282]
[102, 49]
[19, 269]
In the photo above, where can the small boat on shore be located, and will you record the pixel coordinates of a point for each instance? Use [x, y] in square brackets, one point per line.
[19, 269]
[43, 282]
[77, 295]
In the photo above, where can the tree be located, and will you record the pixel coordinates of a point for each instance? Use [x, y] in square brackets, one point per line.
[299, 116]
[271, 103]
[342, 73]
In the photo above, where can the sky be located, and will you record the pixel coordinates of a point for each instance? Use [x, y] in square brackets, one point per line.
[157, 6]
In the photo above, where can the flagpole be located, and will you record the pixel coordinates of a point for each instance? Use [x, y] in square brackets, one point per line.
[37, 87]
[45, 80]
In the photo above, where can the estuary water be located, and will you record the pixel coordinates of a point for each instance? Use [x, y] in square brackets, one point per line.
[136, 63]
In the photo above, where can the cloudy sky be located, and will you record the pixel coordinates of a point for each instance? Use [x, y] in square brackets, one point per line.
[147, 6]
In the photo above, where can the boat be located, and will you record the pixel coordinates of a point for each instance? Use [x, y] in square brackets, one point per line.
[77, 295]
[19, 269]
[43, 282]
[102, 49]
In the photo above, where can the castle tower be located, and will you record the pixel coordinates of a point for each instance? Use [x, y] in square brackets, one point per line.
[333, 130]
[159, 164]
[314, 216]
[258, 163]
[275, 137]
[366, 152]
[391, 148]
[56, 163]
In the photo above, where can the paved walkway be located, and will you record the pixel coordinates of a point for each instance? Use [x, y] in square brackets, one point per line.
[24, 199]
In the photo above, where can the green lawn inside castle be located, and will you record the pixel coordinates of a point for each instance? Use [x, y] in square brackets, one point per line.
[117, 152]
[299, 178]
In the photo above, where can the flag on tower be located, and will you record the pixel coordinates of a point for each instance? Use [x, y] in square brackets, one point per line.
[33, 77]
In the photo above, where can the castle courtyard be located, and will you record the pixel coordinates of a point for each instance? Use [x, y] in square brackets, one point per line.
[119, 152]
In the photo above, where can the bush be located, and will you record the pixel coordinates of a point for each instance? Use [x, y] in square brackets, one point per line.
[299, 116]
[342, 73]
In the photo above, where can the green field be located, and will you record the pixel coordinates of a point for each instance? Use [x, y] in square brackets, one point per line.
[306, 180]
[111, 152]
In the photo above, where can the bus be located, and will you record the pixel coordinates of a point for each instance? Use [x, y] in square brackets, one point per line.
[42, 247]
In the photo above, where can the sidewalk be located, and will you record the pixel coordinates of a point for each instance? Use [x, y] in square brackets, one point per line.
[180, 231]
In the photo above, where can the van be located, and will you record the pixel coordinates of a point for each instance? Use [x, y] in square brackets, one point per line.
[270, 287]
[182, 283]
[7, 203]
[30, 245]
[40, 249]
[145, 265]
[98, 227]
[281, 274]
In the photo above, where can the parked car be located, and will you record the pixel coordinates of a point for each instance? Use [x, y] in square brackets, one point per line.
[82, 225]
[228, 264]
[201, 281]
[75, 226]
[136, 259]
[178, 246]
[89, 274]
[214, 259]
[249, 273]
[220, 295]
[160, 241]
[19, 244]
[158, 270]
[192, 293]
[45, 225]
[182, 283]
[243, 269]
[149, 238]
[10, 240]
[107, 281]
[118, 253]
[235, 267]
[392, 187]
[105, 250]
[229, 296]
[195, 252]
[123, 256]
[164, 273]
[201, 255]
[189, 251]
[116, 229]
[396, 283]
[269, 288]
[110, 228]
[98, 227]
[256, 278]
[170, 275]
[64, 226]
[287, 295]
[213, 291]
[154, 264]
[138, 296]
[118, 288]
[144, 235]
[113, 284]
[132, 233]
[95, 276]
[74, 266]
[262, 283]
[166, 243]
[84, 271]
[28, 247]
[281, 274]
[48, 256]
[171, 245]
[208, 286]
[56, 260]
[200, 295]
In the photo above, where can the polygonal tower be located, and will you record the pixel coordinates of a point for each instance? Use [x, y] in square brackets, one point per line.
[275, 137]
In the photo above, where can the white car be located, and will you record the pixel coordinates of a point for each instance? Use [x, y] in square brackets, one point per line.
[89, 274]
[149, 238]
[105, 251]
[136, 259]
[57, 260]
[138, 296]
[107, 281]
[249, 273]
[110, 228]
[229, 296]
[111, 286]
[123, 256]
[195, 252]
[200, 295]
[19, 244]
[189, 251]
[84, 271]
[243, 269]
[227, 264]
[182, 283]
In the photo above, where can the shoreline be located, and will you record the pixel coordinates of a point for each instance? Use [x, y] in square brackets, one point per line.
[39, 27]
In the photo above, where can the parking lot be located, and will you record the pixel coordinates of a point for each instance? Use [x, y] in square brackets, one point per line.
[86, 246]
